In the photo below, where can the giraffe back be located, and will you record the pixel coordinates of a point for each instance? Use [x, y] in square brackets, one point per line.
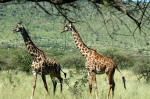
[98, 63]
[51, 66]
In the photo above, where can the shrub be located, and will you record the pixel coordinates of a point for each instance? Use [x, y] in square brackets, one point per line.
[22, 61]
[122, 60]
[6, 59]
[142, 69]
[76, 62]
[2, 65]
[76, 87]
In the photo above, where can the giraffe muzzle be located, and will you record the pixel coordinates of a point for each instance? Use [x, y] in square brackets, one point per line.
[14, 31]
[62, 31]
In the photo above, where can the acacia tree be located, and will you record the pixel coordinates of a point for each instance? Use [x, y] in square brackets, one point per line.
[137, 11]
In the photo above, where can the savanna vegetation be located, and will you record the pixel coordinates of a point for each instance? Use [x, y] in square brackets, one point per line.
[130, 54]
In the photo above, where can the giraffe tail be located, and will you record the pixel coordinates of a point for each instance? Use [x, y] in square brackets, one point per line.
[65, 74]
[124, 82]
[123, 78]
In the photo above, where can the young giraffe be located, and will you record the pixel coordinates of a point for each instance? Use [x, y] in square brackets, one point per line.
[41, 64]
[95, 63]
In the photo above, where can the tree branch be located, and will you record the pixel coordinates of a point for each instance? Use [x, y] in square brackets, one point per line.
[57, 2]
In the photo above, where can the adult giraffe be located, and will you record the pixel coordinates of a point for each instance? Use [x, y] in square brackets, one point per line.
[41, 63]
[95, 63]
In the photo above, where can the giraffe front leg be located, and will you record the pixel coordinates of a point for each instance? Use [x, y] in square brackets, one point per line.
[34, 82]
[95, 85]
[90, 84]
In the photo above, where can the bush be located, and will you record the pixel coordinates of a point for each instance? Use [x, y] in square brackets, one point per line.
[12, 59]
[122, 60]
[76, 86]
[76, 62]
[6, 59]
[2, 65]
[22, 61]
[142, 69]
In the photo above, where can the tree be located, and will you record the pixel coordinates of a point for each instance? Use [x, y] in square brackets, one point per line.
[137, 11]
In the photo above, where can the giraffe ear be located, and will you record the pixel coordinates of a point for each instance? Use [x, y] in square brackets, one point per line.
[20, 25]
[70, 24]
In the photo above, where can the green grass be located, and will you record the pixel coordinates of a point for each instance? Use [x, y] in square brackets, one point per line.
[18, 85]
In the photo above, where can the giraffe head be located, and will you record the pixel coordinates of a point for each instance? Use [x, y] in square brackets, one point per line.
[67, 27]
[18, 28]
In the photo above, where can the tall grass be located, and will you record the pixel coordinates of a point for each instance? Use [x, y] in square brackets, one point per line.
[18, 85]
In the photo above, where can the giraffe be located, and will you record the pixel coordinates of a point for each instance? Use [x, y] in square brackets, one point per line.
[41, 64]
[95, 63]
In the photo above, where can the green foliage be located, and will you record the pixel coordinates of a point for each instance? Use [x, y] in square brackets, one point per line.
[6, 56]
[142, 69]
[77, 86]
[11, 59]
[76, 62]
[122, 60]
[22, 61]
[106, 3]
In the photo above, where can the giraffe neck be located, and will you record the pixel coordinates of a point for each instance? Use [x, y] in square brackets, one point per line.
[31, 47]
[79, 42]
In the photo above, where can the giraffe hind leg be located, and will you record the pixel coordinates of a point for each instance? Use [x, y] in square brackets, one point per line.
[60, 80]
[111, 86]
[54, 83]
[45, 83]
[61, 86]
[111, 83]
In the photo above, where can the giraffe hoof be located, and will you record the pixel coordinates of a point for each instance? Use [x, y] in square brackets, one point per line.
[97, 98]
[48, 94]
